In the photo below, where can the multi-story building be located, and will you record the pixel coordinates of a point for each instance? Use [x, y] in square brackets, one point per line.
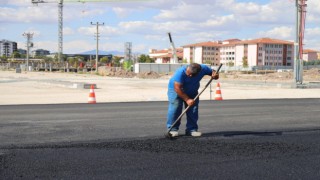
[22, 51]
[40, 52]
[264, 52]
[7, 48]
[203, 53]
[235, 52]
[310, 55]
[228, 52]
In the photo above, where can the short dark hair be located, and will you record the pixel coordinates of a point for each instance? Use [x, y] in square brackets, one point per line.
[194, 68]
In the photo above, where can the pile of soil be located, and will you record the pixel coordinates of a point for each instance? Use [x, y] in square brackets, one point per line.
[283, 76]
[115, 72]
[312, 75]
[119, 72]
[308, 75]
[148, 75]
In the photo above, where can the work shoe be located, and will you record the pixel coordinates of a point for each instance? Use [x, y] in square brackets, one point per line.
[194, 133]
[174, 133]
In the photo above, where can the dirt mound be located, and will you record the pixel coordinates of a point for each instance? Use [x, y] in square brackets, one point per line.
[148, 75]
[284, 76]
[312, 75]
[115, 72]
[119, 72]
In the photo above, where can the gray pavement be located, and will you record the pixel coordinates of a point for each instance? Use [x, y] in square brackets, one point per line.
[27, 124]
[243, 139]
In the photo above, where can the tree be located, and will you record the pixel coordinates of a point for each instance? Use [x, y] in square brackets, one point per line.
[245, 62]
[145, 59]
[47, 59]
[230, 64]
[105, 59]
[16, 54]
[185, 61]
[116, 61]
[63, 57]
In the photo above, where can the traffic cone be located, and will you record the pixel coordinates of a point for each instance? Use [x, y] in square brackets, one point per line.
[92, 96]
[218, 95]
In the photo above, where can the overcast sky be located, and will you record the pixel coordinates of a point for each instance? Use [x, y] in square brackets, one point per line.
[146, 23]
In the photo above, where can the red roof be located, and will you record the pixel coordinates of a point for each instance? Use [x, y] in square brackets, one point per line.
[264, 41]
[309, 51]
[204, 44]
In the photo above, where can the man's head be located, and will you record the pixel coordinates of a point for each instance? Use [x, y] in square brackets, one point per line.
[193, 69]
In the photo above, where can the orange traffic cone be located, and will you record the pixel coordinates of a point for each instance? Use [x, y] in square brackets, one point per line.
[92, 96]
[218, 95]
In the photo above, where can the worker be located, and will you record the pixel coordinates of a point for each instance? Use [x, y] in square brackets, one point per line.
[182, 89]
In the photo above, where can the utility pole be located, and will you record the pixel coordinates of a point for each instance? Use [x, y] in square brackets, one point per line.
[97, 38]
[60, 16]
[60, 30]
[300, 26]
[29, 44]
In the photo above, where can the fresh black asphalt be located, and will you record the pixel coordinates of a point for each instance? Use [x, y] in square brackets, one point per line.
[243, 139]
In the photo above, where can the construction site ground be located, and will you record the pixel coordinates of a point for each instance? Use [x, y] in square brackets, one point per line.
[114, 85]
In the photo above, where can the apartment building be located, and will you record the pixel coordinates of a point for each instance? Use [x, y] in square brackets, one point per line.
[264, 52]
[233, 52]
[310, 55]
[203, 53]
[7, 48]
[228, 52]
[40, 52]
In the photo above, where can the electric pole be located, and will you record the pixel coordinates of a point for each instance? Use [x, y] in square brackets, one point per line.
[97, 38]
[60, 30]
[300, 26]
[29, 44]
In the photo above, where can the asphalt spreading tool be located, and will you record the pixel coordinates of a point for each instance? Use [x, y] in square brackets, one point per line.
[168, 134]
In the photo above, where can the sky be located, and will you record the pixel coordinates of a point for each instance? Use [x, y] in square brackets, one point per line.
[145, 23]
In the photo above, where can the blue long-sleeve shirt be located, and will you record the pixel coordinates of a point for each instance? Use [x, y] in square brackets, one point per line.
[190, 84]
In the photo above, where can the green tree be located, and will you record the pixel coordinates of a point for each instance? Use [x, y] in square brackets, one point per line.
[142, 58]
[63, 57]
[47, 59]
[16, 54]
[127, 65]
[105, 59]
[71, 61]
[245, 62]
[230, 64]
[116, 61]
[145, 59]
[185, 61]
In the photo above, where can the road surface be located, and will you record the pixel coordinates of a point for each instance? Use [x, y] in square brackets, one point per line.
[243, 139]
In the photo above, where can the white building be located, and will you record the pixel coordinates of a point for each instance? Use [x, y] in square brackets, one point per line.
[264, 52]
[165, 55]
[234, 52]
[228, 52]
[203, 53]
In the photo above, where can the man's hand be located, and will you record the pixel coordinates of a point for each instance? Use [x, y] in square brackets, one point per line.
[190, 102]
[215, 75]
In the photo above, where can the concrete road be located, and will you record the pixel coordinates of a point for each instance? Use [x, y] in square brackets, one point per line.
[243, 139]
